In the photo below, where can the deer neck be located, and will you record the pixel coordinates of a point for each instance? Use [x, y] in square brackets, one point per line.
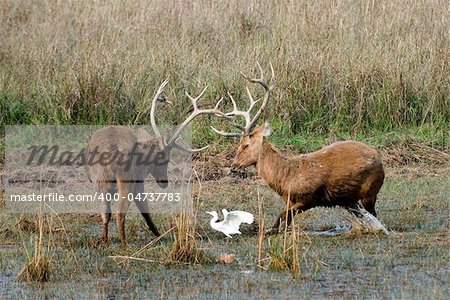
[273, 167]
[145, 158]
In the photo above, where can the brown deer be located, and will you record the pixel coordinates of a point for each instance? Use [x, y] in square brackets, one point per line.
[128, 159]
[340, 174]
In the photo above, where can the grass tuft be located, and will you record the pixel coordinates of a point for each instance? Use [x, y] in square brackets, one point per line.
[39, 263]
[284, 250]
[185, 248]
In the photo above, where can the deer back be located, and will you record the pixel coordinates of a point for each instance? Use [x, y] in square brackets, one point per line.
[342, 169]
[108, 155]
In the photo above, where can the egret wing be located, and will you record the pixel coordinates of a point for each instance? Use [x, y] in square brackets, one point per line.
[224, 213]
[235, 218]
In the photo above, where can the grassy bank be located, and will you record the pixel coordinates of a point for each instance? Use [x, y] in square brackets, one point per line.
[342, 67]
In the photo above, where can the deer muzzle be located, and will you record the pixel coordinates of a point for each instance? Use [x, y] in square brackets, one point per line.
[236, 166]
[233, 168]
[163, 183]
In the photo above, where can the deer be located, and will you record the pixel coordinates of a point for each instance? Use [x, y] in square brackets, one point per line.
[136, 156]
[344, 173]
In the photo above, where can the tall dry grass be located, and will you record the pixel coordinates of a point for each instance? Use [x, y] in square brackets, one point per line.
[39, 262]
[340, 65]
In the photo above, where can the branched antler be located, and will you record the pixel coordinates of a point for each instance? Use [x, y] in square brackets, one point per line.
[158, 97]
[250, 122]
[172, 141]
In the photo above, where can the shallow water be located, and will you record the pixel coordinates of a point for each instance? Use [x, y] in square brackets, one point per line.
[358, 278]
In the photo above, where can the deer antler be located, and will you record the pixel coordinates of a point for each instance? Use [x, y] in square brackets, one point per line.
[196, 112]
[158, 97]
[172, 142]
[250, 122]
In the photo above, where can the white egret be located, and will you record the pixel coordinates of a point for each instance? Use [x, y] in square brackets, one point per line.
[231, 221]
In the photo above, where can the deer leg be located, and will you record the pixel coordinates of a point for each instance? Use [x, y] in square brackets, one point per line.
[106, 216]
[293, 209]
[143, 208]
[105, 207]
[369, 204]
[124, 189]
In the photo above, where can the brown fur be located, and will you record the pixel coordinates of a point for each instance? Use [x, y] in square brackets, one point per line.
[340, 174]
[127, 177]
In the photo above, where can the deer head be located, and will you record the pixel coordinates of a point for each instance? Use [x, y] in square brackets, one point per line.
[156, 147]
[248, 152]
[251, 139]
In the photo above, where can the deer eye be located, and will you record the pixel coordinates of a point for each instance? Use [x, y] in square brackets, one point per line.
[244, 146]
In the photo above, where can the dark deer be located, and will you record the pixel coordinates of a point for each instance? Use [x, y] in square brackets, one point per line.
[340, 174]
[135, 158]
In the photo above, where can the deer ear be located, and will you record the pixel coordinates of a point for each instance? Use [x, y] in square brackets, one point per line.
[143, 135]
[261, 131]
[163, 139]
[267, 129]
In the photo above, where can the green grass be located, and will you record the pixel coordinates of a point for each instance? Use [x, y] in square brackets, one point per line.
[434, 137]
[347, 67]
